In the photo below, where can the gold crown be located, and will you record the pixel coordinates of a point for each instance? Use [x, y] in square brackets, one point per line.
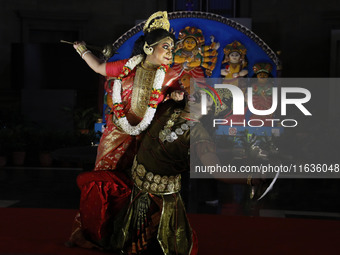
[156, 21]
[192, 32]
[235, 46]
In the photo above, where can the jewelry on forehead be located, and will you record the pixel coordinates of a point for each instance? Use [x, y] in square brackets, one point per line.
[148, 48]
[162, 40]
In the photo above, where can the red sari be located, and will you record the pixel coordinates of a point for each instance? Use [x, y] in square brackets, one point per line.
[106, 190]
[114, 142]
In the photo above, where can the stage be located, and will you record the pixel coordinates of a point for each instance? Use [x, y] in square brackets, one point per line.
[44, 231]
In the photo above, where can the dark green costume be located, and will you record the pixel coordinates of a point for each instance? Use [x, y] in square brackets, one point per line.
[156, 212]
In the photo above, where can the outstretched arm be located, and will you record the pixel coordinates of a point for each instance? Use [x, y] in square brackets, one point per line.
[93, 62]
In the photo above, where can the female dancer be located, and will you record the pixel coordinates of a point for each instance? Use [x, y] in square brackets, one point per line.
[137, 85]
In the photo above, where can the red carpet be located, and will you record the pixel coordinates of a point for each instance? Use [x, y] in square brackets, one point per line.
[44, 231]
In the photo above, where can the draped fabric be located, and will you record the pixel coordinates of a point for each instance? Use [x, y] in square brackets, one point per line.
[104, 194]
[163, 229]
[110, 210]
[154, 220]
[107, 192]
[114, 142]
[115, 215]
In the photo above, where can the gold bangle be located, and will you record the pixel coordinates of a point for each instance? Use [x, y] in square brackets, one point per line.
[81, 49]
[249, 182]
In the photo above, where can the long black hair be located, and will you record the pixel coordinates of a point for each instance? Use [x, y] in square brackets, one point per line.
[151, 38]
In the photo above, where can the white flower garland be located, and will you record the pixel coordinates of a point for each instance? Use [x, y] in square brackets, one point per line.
[117, 99]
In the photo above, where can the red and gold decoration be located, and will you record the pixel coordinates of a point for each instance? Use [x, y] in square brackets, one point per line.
[235, 46]
[122, 121]
[191, 53]
[262, 68]
[153, 102]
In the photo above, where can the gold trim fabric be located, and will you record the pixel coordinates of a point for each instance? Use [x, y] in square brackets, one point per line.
[154, 183]
[142, 90]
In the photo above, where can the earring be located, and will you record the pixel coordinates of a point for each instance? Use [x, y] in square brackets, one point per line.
[147, 49]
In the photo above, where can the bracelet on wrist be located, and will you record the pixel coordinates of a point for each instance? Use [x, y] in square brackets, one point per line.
[81, 49]
[83, 55]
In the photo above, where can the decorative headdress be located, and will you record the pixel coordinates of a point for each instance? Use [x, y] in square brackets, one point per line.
[156, 21]
[192, 32]
[235, 46]
[262, 68]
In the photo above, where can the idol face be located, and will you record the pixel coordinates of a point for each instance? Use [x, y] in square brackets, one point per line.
[234, 57]
[189, 44]
[262, 77]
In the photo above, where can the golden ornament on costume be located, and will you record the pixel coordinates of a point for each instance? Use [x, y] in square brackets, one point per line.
[142, 90]
[156, 21]
[147, 49]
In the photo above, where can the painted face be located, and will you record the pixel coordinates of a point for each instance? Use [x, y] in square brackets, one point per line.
[262, 77]
[162, 53]
[234, 57]
[189, 44]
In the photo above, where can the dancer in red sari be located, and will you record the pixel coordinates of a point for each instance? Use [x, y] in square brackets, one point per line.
[137, 77]
[136, 85]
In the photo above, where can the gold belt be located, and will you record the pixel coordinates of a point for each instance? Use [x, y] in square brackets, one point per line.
[155, 184]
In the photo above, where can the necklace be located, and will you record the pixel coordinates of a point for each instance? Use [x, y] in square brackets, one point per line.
[118, 107]
[166, 134]
[147, 65]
